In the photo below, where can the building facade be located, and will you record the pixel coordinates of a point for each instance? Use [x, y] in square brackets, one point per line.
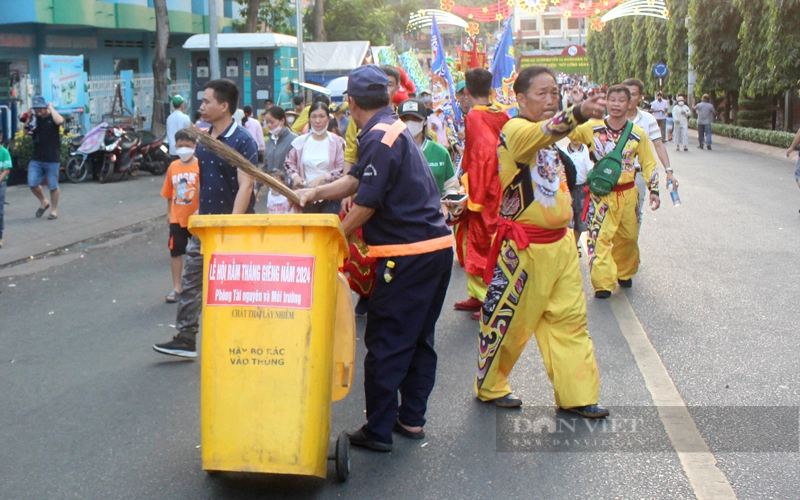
[547, 30]
[112, 35]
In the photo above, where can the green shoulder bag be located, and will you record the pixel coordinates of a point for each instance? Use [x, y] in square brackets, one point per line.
[605, 174]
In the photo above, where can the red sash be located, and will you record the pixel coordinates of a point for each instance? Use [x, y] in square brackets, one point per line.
[521, 234]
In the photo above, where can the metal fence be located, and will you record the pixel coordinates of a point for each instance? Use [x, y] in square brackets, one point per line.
[101, 91]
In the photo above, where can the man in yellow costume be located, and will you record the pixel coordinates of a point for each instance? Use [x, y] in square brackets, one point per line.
[536, 285]
[612, 221]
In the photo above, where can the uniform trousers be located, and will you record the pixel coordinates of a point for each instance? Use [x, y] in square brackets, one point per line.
[401, 321]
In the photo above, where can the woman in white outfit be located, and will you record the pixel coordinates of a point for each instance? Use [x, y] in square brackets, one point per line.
[317, 158]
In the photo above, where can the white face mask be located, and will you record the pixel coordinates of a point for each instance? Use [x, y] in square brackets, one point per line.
[319, 132]
[414, 127]
[275, 132]
[185, 154]
[290, 119]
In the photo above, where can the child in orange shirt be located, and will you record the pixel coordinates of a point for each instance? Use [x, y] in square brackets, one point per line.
[182, 191]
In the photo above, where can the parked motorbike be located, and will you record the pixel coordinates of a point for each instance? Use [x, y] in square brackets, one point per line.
[106, 153]
[153, 153]
[120, 157]
[87, 153]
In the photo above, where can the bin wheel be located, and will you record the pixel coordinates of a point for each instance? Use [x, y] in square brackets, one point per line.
[342, 457]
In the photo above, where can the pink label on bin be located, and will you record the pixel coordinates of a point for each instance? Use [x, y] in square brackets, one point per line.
[260, 280]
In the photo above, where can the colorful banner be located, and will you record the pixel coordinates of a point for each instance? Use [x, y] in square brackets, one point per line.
[410, 63]
[387, 56]
[504, 71]
[571, 65]
[63, 82]
[442, 89]
[260, 280]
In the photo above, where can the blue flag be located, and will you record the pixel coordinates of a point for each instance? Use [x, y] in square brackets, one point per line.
[442, 89]
[504, 72]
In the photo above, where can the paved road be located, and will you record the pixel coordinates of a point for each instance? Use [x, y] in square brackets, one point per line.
[89, 411]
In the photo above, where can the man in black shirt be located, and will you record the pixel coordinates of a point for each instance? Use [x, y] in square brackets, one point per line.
[45, 122]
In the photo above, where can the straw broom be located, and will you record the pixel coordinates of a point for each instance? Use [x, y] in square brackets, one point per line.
[235, 159]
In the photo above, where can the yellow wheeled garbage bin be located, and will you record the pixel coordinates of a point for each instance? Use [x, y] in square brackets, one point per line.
[278, 342]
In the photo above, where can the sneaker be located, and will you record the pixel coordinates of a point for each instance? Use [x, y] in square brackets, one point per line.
[625, 283]
[709, 147]
[178, 346]
[361, 307]
[700, 146]
[602, 294]
[686, 148]
[589, 411]
[471, 304]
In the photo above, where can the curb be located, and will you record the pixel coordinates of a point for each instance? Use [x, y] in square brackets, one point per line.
[750, 147]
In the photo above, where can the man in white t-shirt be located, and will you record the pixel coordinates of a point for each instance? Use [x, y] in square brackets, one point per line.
[176, 121]
[650, 126]
[659, 109]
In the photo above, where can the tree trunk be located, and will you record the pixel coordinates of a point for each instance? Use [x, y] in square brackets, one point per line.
[319, 22]
[252, 16]
[158, 123]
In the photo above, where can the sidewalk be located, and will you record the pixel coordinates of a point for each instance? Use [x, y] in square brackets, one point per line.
[750, 147]
[84, 211]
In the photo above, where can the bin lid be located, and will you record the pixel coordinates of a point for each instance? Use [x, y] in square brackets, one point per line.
[265, 220]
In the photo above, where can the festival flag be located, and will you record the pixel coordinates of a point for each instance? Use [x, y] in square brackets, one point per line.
[504, 71]
[442, 89]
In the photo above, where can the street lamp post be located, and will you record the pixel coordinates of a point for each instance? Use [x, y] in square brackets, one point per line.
[301, 72]
[213, 51]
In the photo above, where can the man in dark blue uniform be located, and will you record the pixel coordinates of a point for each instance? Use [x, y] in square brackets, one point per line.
[397, 203]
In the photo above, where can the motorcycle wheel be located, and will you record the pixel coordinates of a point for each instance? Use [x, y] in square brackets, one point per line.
[77, 169]
[105, 171]
[159, 166]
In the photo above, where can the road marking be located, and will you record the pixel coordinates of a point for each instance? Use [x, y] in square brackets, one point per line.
[705, 478]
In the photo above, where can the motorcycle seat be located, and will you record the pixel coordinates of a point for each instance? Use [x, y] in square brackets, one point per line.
[128, 143]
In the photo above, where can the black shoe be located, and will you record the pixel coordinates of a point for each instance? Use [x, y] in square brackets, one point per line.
[359, 438]
[625, 283]
[398, 428]
[180, 347]
[709, 147]
[510, 400]
[602, 294]
[589, 411]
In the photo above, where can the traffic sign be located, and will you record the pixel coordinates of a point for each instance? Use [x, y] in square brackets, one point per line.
[660, 70]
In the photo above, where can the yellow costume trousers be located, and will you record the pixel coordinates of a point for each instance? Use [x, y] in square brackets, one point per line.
[538, 291]
[612, 239]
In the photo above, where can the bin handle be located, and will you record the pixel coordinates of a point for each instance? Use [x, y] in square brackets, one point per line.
[346, 377]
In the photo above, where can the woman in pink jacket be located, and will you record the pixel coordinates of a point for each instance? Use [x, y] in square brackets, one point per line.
[316, 158]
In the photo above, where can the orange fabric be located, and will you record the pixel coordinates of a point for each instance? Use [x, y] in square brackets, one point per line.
[521, 234]
[182, 188]
[480, 164]
[392, 132]
[417, 248]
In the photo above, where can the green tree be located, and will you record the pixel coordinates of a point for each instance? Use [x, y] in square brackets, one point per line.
[593, 48]
[714, 34]
[638, 51]
[621, 57]
[274, 15]
[656, 49]
[374, 20]
[753, 63]
[677, 47]
[608, 70]
[784, 45]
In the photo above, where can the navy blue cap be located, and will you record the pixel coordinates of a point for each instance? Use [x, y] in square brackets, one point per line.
[367, 81]
[38, 102]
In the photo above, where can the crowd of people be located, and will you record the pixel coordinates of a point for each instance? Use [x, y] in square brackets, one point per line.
[411, 188]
